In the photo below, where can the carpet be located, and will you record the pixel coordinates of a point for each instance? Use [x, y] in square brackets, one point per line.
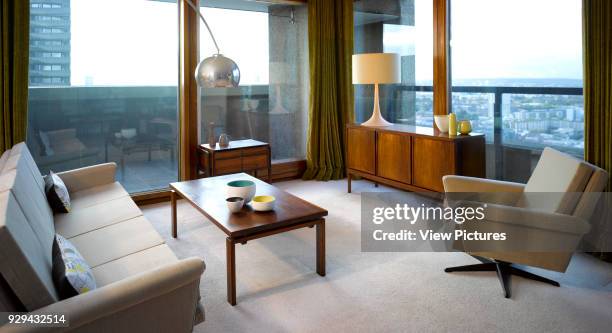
[278, 289]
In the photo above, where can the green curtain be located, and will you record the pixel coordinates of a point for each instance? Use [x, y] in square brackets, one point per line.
[597, 58]
[330, 48]
[15, 23]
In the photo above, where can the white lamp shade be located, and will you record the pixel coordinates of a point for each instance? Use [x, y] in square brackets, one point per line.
[381, 68]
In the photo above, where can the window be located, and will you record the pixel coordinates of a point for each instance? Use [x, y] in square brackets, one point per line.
[406, 28]
[103, 92]
[519, 80]
[271, 103]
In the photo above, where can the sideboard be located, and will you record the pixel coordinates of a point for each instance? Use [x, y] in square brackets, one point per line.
[411, 157]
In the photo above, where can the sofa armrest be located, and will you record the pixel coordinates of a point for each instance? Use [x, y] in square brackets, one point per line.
[454, 183]
[88, 177]
[159, 300]
[536, 219]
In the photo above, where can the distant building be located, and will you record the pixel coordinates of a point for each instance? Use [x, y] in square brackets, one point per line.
[49, 42]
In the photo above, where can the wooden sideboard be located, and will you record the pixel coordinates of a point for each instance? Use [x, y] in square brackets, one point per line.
[250, 156]
[411, 157]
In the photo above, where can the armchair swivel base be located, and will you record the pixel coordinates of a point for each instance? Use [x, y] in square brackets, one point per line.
[504, 271]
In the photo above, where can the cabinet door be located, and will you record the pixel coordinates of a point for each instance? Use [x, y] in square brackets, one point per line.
[394, 156]
[361, 149]
[432, 159]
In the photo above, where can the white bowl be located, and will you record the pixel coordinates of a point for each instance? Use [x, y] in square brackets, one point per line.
[263, 203]
[240, 188]
[234, 204]
[442, 123]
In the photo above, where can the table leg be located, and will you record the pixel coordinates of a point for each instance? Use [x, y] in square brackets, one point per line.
[321, 248]
[173, 213]
[349, 178]
[231, 271]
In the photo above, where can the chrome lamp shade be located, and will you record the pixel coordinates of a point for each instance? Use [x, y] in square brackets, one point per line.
[217, 71]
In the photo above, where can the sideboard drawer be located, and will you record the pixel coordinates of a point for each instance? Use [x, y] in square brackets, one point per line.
[255, 162]
[255, 151]
[230, 165]
[223, 155]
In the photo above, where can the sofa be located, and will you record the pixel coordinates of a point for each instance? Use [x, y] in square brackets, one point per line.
[141, 285]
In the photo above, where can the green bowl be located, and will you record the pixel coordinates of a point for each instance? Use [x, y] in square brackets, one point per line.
[240, 188]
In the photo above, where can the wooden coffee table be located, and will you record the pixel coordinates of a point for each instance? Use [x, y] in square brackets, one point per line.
[208, 196]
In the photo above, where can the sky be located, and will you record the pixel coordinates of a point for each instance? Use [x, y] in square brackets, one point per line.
[138, 45]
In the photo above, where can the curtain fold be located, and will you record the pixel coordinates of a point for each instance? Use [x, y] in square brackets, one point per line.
[14, 50]
[330, 43]
[597, 59]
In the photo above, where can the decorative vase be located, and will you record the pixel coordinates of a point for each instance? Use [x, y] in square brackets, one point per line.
[465, 127]
[211, 135]
[224, 140]
[452, 124]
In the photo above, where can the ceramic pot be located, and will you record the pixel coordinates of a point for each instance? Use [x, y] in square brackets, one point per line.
[465, 127]
[240, 188]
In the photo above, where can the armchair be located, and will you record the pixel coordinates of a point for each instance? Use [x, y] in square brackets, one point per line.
[560, 215]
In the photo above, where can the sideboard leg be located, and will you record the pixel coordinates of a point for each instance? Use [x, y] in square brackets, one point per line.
[349, 178]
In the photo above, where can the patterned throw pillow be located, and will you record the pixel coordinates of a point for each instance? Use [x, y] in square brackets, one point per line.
[71, 274]
[57, 193]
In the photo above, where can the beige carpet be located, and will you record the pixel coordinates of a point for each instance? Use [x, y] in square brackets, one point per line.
[279, 291]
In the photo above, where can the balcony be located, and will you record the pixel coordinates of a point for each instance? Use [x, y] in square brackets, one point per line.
[136, 127]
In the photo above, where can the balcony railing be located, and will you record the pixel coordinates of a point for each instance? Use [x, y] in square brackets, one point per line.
[503, 143]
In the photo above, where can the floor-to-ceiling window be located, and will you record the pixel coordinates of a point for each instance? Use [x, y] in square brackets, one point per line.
[517, 75]
[103, 88]
[404, 27]
[269, 43]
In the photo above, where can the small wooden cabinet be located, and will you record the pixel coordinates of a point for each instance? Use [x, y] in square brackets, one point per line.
[411, 157]
[249, 156]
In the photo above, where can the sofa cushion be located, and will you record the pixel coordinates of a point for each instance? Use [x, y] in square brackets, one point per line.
[592, 193]
[98, 194]
[20, 154]
[57, 194]
[133, 264]
[33, 205]
[71, 273]
[116, 241]
[3, 158]
[86, 219]
[557, 182]
[25, 266]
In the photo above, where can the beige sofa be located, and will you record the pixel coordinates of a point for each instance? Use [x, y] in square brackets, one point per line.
[142, 286]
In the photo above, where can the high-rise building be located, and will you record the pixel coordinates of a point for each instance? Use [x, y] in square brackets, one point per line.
[49, 42]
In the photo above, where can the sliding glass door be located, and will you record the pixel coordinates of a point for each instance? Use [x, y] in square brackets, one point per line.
[517, 75]
[269, 43]
[103, 88]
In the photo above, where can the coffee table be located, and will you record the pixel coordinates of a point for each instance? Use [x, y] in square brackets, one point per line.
[208, 196]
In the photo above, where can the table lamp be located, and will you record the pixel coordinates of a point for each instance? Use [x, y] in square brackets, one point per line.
[376, 68]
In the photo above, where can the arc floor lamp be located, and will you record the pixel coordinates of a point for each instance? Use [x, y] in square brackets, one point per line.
[216, 71]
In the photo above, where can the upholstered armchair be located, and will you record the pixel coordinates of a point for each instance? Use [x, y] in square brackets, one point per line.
[554, 206]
